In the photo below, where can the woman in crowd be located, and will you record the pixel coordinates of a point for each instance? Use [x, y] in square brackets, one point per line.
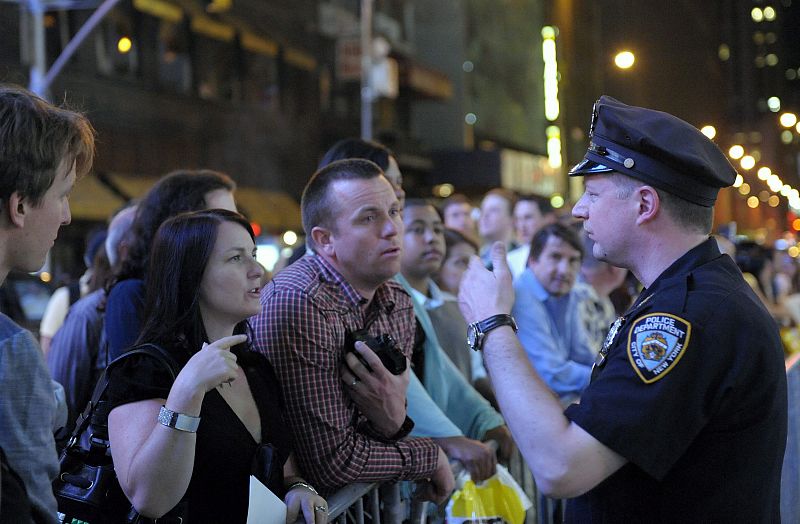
[177, 192]
[459, 249]
[198, 439]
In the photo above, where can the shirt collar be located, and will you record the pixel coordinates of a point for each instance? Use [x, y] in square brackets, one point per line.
[529, 280]
[383, 298]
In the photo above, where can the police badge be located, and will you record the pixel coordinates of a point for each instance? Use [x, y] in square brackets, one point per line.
[656, 342]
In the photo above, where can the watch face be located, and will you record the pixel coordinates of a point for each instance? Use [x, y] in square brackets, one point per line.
[472, 336]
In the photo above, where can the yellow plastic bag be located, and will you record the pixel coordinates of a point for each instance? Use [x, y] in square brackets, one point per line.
[497, 499]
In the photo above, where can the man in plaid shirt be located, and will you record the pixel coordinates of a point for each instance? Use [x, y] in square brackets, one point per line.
[349, 424]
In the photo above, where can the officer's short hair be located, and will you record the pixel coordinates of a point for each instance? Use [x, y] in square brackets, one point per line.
[687, 214]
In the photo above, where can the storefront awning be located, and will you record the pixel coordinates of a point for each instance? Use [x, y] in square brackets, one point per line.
[274, 211]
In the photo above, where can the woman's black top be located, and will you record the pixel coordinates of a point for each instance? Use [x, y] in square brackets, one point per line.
[226, 453]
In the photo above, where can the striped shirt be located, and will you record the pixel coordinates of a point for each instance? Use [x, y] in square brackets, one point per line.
[306, 312]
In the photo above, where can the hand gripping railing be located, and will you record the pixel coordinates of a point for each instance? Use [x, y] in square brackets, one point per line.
[382, 502]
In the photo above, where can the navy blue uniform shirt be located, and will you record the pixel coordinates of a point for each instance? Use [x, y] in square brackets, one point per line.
[693, 394]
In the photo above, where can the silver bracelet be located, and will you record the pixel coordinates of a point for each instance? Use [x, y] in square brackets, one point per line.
[302, 484]
[179, 421]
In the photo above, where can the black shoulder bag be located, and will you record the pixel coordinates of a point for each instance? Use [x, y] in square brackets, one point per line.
[87, 488]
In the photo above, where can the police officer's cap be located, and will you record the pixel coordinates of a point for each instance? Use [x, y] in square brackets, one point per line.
[656, 148]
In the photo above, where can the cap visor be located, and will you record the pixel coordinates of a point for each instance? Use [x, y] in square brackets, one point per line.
[589, 167]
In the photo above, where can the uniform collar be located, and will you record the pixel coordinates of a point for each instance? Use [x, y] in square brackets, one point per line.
[703, 253]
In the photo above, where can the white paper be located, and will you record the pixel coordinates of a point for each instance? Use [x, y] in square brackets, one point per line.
[264, 507]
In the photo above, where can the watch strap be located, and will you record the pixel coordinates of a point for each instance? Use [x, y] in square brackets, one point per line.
[494, 322]
[179, 421]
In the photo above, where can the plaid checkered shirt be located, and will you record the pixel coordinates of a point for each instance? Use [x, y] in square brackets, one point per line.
[306, 312]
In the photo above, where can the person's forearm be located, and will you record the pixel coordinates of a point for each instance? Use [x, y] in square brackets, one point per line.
[159, 472]
[358, 458]
[532, 412]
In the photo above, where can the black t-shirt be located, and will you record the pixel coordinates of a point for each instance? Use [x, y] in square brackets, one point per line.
[693, 395]
[225, 453]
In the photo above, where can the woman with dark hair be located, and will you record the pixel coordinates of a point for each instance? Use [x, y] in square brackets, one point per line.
[368, 150]
[196, 440]
[178, 192]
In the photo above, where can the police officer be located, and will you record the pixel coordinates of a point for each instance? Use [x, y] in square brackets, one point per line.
[685, 417]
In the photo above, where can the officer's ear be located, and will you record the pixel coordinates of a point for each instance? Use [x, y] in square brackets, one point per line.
[649, 204]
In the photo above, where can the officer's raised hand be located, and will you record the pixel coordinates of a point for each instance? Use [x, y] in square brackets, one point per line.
[485, 293]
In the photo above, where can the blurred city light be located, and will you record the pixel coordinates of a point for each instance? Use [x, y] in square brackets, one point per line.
[774, 104]
[724, 52]
[752, 202]
[624, 60]
[774, 200]
[554, 158]
[757, 14]
[747, 162]
[793, 251]
[739, 180]
[736, 152]
[557, 201]
[124, 45]
[744, 189]
[769, 13]
[470, 119]
[709, 131]
[290, 238]
[764, 173]
[787, 137]
[551, 104]
[788, 119]
[267, 255]
[443, 190]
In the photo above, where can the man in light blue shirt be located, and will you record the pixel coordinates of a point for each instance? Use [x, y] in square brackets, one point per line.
[546, 310]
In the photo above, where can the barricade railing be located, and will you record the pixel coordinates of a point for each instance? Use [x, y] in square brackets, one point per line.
[383, 503]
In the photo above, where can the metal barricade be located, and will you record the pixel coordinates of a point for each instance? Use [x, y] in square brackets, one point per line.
[382, 502]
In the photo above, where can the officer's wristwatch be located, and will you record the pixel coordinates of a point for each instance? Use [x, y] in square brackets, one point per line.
[477, 331]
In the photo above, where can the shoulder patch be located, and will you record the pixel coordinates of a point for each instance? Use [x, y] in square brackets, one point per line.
[656, 342]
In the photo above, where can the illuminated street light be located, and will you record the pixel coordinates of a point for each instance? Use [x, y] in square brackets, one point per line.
[709, 131]
[124, 45]
[290, 238]
[788, 119]
[747, 162]
[624, 60]
[736, 152]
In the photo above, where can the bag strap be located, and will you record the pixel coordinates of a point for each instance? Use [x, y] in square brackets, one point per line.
[152, 350]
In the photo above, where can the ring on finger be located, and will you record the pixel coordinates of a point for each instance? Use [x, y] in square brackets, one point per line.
[324, 509]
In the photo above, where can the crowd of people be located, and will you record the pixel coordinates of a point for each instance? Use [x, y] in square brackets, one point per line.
[352, 362]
